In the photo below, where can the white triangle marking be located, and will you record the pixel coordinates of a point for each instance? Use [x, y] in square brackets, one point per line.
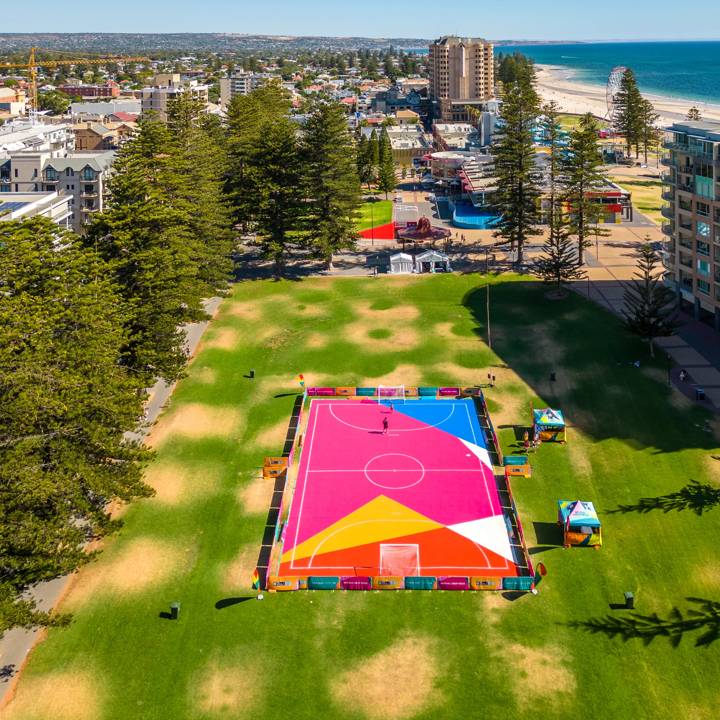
[480, 453]
[490, 532]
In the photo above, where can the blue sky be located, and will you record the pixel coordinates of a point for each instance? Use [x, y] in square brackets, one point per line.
[514, 19]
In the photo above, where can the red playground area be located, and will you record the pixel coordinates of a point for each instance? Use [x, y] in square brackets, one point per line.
[395, 493]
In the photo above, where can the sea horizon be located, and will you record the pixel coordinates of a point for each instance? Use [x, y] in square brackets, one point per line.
[689, 70]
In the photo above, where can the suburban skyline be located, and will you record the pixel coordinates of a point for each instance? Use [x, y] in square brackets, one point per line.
[642, 20]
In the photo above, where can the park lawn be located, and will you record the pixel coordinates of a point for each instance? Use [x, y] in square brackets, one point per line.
[373, 214]
[646, 195]
[403, 654]
[569, 122]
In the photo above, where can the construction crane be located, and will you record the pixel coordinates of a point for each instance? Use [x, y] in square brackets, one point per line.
[33, 64]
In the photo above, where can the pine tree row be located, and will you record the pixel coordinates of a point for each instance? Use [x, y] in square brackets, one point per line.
[292, 188]
[86, 324]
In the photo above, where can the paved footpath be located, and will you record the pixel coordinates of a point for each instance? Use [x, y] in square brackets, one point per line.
[695, 347]
[15, 645]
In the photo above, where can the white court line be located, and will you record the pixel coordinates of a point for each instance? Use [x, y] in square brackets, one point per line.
[426, 426]
[487, 488]
[376, 520]
[308, 470]
[305, 483]
[353, 470]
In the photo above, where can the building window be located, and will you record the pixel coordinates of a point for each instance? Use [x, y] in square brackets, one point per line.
[703, 248]
[703, 209]
[703, 229]
[69, 172]
[703, 267]
[703, 287]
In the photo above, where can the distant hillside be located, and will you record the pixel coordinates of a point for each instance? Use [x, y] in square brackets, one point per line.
[189, 42]
[123, 43]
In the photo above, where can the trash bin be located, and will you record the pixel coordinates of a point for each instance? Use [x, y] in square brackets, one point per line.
[699, 393]
[174, 610]
[629, 601]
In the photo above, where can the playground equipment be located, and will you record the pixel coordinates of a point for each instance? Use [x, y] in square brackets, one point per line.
[517, 466]
[549, 425]
[580, 523]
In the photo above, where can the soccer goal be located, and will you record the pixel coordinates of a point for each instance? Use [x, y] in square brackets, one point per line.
[391, 392]
[399, 560]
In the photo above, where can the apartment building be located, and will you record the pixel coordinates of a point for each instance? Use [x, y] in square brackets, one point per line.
[155, 99]
[241, 83]
[22, 206]
[692, 216]
[462, 74]
[81, 177]
[110, 89]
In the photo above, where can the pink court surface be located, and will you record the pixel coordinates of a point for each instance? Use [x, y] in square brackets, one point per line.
[417, 498]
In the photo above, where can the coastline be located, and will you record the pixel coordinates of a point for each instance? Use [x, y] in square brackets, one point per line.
[556, 82]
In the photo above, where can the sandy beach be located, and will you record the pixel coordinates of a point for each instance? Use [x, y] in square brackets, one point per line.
[576, 97]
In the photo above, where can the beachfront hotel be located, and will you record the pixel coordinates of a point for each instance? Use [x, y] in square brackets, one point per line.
[462, 74]
[692, 216]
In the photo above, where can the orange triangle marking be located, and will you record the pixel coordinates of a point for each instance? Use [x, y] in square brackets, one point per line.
[380, 519]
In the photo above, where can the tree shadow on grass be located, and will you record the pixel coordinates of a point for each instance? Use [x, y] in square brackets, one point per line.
[703, 616]
[601, 392]
[695, 496]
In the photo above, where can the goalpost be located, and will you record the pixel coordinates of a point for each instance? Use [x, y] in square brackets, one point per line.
[386, 393]
[399, 560]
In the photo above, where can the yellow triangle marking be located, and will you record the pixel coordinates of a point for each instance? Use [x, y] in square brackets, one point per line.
[380, 519]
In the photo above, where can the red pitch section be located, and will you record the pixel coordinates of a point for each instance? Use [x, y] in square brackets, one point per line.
[379, 232]
[420, 497]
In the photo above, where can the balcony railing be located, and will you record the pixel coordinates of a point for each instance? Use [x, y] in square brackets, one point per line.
[668, 229]
[89, 194]
[667, 211]
[668, 194]
[694, 150]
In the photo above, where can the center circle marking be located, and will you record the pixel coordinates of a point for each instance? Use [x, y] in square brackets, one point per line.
[404, 473]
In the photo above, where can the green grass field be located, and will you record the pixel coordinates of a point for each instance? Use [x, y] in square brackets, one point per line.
[646, 195]
[560, 654]
[373, 214]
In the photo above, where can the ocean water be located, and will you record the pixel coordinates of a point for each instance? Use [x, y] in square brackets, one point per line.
[687, 70]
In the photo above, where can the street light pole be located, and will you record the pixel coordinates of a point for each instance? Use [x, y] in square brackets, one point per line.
[488, 316]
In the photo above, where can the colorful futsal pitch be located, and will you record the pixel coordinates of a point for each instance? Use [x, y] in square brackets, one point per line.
[413, 496]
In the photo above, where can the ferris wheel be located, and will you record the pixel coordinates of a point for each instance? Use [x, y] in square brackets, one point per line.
[613, 87]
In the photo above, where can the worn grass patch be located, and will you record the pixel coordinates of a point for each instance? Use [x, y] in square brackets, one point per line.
[398, 682]
[227, 689]
[139, 565]
[254, 497]
[540, 673]
[175, 484]
[237, 575]
[68, 694]
[195, 421]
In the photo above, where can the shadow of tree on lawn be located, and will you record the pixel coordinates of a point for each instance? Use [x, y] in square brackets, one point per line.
[695, 496]
[705, 616]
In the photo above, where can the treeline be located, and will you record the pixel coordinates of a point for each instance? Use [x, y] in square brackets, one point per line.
[513, 67]
[558, 192]
[634, 116]
[292, 188]
[88, 323]
[393, 63]
[375, 164]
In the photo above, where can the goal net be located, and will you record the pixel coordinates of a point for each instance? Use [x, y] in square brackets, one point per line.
[399, 560]
[391, 392]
